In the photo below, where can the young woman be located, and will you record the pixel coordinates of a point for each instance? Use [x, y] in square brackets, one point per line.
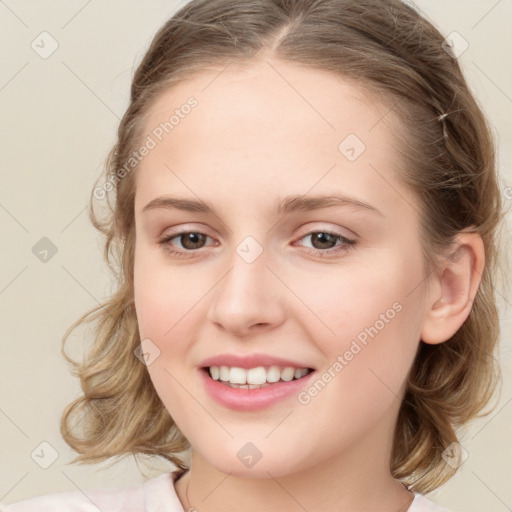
[304, 216]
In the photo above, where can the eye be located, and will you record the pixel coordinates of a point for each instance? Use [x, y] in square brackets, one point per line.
[324, 242]
[190, 241]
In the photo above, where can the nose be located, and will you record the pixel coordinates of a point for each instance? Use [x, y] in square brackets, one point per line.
[248, 299]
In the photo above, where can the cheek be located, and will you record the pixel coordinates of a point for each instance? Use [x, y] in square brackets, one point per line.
[170, 311]
[370, 328]
[162, 317]
[355, 302]
[163, 295]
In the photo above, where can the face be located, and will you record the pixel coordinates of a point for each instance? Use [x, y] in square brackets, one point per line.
[335, 288]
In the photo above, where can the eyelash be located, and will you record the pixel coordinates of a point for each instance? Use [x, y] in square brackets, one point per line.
[346, 244]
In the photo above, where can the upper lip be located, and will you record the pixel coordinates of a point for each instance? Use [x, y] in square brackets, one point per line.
[250, 361]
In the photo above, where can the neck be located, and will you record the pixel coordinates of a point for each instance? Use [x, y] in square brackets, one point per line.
[357, 479]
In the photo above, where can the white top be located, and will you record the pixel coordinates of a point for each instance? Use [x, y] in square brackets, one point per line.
[154, 495]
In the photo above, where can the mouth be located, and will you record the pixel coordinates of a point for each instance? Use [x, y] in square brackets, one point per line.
[254, 378]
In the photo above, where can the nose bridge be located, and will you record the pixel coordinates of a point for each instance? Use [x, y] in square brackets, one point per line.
[246, 295]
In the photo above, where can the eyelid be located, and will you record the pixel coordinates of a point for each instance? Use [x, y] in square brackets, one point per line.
[191, 228]
[346, 243]
[185, 228]
[337, 230]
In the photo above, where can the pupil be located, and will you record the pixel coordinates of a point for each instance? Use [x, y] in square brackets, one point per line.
[193, 239]
[318, 236]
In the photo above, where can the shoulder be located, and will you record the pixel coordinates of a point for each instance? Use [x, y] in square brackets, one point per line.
[423, 504]
[89, 500]
[142, 497]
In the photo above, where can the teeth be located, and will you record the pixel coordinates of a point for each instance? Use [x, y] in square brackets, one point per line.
[273, 374]
[287, 374]
[255, 377]
[223, 373]
[215, 372]
[238, 376]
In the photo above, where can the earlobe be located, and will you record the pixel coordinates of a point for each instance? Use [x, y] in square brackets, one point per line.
[456, 282]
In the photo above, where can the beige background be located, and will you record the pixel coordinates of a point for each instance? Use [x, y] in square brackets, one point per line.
[58, 120]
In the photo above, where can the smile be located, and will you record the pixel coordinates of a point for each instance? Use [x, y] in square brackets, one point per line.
[254, 389]
[253, 378]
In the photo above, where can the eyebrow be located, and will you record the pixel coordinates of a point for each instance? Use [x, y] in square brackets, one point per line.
[282, 206]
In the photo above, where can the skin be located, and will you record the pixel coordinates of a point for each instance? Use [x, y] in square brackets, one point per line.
[251, 140]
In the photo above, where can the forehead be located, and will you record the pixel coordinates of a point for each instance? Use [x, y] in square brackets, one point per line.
[276, 93]
[270, 122]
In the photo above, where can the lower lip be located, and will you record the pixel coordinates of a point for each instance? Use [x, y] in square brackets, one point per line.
[252, 399]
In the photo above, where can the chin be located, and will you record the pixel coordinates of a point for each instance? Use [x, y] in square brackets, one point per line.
[280, 464]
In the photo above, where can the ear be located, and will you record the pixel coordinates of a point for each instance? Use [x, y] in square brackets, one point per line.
[452, 288]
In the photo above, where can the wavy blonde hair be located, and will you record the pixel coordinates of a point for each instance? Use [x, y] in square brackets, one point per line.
[388, 48]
